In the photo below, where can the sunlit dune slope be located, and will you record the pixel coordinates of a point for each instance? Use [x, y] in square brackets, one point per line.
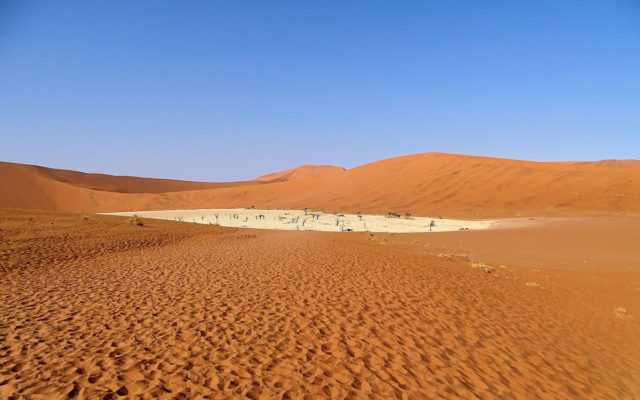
[424, 184]
[480, 186]
[302, 172]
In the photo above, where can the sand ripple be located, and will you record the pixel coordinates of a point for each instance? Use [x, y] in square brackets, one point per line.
[184, 311]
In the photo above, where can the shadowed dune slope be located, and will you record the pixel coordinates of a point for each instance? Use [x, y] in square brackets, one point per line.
[423, 184]
[110, 183]
[35, 187]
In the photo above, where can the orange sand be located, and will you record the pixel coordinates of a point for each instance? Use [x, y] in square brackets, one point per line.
[423, 184]
[92, 307]
[97, 308]
[303, 172]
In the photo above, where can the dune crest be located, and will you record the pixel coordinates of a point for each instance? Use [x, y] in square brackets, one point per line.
[423, 184]
[302, 172]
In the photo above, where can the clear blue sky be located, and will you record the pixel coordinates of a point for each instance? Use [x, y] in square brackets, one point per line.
[229, 90]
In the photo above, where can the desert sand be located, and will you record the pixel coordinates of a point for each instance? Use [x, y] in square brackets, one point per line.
[453, 186]
[302, 172]
[544, 304]
[92, 307]
[312, 220]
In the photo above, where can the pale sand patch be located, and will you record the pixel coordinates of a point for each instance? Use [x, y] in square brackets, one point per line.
[310, 221]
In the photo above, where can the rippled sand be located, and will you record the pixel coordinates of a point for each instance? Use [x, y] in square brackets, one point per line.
[92, 307]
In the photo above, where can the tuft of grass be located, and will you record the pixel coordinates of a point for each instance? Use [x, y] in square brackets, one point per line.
[84, 217]
[534, 285]
[464, 257]
[483, 267]
[135, 221]
[621, 313]
[450, 257]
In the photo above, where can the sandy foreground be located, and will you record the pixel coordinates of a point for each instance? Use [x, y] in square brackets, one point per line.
[300, 220]
[92, 307]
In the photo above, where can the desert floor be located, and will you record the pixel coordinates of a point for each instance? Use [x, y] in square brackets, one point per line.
[93, 307]
[300, 220]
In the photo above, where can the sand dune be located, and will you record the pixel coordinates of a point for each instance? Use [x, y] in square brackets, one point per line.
[108, 183]
[423, 184]
[100, 309]
[302, 172]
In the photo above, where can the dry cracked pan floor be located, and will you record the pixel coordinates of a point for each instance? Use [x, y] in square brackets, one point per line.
[100, 309]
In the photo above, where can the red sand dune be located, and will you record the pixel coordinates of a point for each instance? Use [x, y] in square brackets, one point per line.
[302, 172]
[109, 183]
[423, 184]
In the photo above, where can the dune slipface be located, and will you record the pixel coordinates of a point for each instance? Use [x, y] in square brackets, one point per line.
[93, 307]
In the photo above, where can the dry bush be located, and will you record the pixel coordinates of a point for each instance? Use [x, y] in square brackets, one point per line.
[535, 285]
[483, 267]
[450, 257]
[135, 221]
[621, 313]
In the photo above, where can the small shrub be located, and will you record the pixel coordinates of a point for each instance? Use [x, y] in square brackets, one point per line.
[621, 313]
[135, 221]
[534, 285]
[451, 257]
[483, 267]
[84, 218]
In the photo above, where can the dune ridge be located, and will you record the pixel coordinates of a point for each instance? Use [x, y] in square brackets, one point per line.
[303, 172]
[111, 183]
[424, 184]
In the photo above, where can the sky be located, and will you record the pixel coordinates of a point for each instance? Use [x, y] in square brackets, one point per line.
[228, 90]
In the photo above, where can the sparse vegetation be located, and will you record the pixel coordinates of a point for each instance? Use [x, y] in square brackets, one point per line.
[84, 218]
[450, 257]
[135, 220]
[483, 267]
[621, 313]
[476, 265]
[534, 285]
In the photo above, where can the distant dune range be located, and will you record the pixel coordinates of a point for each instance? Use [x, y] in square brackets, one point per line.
[423, 184]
